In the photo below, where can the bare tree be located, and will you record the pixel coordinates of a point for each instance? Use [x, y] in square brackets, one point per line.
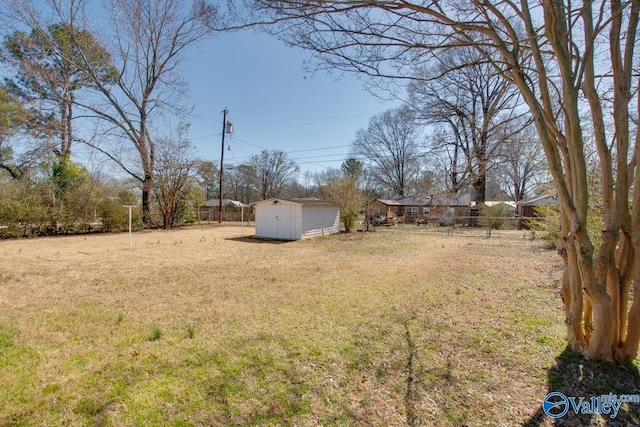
[391, 149]
[272, 171]
[150, 40]
[240, 183]
[582, 59]
[147, 41]
[325, 176]
[427, 182]
[348, 196]
[520, 164]
[175, 168]
[473, 105]
[208, 178]
[309, 184]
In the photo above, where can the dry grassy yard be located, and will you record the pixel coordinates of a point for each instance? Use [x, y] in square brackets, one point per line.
[203, 327]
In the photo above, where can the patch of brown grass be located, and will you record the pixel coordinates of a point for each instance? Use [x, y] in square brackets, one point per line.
[379, 328]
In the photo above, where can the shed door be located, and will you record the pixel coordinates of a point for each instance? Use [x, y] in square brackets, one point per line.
[284, 222]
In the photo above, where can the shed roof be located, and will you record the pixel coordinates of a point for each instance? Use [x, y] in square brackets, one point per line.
[300, 201]
[313, 201]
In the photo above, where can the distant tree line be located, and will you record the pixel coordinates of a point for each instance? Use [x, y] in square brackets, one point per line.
[105, 85]
[109, 86]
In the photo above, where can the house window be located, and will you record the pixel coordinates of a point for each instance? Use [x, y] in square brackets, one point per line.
[426, 212]
[411, 210]
[376, 211]
[395, 210]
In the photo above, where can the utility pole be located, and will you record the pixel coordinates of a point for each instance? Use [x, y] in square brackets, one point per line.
[227, 127]
[224, 128]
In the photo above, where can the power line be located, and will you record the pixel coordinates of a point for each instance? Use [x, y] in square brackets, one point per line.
[306, 150]
[308, 160]
[336, 158]
[339, 156]
[305, 160]
[318, 156]
[312, 123]
[318, 149]
[325, 161]
[249, 143]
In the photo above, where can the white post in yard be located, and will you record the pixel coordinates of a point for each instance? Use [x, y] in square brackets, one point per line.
[130, 207]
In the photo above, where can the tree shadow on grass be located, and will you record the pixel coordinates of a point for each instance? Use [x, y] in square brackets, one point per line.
[574, 376]
[253, 239]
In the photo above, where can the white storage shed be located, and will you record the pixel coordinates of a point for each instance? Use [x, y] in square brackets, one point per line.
[296, 219]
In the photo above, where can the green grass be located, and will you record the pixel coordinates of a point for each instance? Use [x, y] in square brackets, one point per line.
[191, 330]
[156, 333]
[370, 329]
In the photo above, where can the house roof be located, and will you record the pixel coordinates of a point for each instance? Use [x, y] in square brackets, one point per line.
[492, 203]
[541, 200]
[414, 200]
[431, 200]
[446, 199]
[389, 202]
[226, 202]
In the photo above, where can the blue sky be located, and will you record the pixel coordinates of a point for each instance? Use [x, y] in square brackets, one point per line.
[273, 103]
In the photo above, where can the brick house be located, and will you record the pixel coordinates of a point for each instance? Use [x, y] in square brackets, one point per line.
[437, 209]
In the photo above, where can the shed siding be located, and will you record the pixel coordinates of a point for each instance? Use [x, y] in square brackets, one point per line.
[296, 223]
[296, 219]
[320, 221]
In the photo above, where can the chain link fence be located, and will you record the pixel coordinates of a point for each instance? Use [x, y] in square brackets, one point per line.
[471, 226]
